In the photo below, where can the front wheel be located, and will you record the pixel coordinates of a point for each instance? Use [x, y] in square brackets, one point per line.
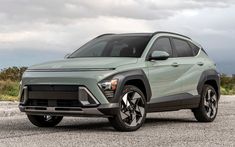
[45, 120]
[132, 110]
[207, 110]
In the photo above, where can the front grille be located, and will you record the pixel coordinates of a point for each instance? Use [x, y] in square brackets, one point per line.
[54, 103]
[59, 96]
[53, 96]
[53, 92]
[38, 102]
[65, 88]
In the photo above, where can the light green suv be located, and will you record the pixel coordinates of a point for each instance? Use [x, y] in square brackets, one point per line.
[123, 77]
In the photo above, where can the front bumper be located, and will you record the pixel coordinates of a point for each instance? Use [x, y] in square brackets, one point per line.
[85, 78]
[104, 110]
[63, 100]
[61, 95]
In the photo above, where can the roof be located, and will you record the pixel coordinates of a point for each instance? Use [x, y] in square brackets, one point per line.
[160, 32]
[145, 34]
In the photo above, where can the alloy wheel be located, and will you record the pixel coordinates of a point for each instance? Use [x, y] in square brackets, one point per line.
[210, 103]
[132, 108]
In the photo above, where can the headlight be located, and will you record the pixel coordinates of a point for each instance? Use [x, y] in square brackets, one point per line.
[109, 87]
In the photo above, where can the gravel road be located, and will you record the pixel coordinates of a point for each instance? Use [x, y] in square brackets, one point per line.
[161, 129]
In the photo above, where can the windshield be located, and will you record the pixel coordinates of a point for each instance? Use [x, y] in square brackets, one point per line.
[113, 46]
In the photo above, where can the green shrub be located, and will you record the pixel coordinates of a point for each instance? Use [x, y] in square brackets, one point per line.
[9, 90]
[8, 98]
[227, 85]
[12, 73]
[227, 91]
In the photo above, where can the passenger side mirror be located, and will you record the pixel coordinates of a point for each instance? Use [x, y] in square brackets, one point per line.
[66, 56]
[159, 55]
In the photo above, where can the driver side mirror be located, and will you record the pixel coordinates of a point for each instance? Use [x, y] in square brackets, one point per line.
[159, 55]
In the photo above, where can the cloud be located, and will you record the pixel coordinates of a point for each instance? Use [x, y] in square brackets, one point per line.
[65, 11]
[61, 26]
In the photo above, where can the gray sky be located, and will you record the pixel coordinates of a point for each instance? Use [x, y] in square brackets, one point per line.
[33, 31]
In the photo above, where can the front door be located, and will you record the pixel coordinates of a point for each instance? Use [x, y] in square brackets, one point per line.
[164, 74]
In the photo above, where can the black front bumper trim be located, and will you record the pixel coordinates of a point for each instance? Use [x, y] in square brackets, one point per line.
[102, 110]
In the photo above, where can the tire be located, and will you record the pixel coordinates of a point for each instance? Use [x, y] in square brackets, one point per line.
[208, 107]
[132, 110]
[44, 120]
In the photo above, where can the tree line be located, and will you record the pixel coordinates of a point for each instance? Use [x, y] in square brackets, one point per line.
[12, 73]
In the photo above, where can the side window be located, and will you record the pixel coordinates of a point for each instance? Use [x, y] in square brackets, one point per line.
[162, 44]
[194, 48]
[182, 48]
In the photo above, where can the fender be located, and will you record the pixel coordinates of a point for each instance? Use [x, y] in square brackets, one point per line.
[209, 75]
[125, 76]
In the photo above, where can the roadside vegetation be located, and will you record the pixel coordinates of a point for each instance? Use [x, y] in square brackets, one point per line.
[10, 79]
[9, 83]
[227, 85]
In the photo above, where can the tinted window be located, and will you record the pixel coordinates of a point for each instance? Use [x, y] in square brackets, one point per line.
[194, 48]
[95, 50]
[117, 50]
[182, 48]
[162, 44]
[113, 46]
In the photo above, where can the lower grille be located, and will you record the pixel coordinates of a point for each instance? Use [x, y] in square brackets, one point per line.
[53, 92]
[54, 103]
[58, 96]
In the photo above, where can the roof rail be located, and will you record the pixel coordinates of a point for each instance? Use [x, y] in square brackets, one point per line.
[170, 33]
[104, 35]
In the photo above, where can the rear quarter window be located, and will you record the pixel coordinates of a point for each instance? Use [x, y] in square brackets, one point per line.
[194, 48]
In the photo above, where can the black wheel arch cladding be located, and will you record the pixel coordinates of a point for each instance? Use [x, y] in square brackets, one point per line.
[130, 75]
[209, 75]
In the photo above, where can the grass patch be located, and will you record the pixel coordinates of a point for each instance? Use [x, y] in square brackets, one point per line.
[227, 85]
[227, 91]
[8, 98]
[9, 90]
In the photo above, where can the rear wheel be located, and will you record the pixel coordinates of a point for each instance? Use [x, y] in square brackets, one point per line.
[132, 110]
[207, 110]
[45, 120]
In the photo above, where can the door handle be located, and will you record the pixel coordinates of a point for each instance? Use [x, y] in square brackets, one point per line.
[200, 63]
[175, 64]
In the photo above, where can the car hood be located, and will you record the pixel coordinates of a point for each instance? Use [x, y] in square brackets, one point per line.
[84, 63]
